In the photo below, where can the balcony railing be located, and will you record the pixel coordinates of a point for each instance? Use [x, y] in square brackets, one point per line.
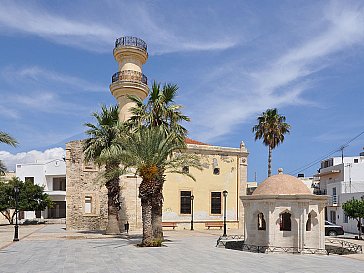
[131, 41]
[129, 75]
[334, 200]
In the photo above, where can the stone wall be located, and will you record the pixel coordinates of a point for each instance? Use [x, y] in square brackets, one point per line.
[83, 181]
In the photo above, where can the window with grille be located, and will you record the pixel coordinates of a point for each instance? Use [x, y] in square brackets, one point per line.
[261, 222]
[309, 222]
[285, 221]
[215, 202]
[185, 202]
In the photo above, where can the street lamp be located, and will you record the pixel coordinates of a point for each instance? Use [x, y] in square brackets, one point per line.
[225, 193]
[192, 197]
[16, 234]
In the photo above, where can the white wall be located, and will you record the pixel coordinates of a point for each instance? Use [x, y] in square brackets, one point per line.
[43, 173]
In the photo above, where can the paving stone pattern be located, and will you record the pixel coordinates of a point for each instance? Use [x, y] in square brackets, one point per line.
[52, 249]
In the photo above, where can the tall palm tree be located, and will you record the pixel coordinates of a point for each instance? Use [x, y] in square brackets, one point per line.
[102, 144]
[271, 128]
[7, 139]
[161, 111]
[152, 153]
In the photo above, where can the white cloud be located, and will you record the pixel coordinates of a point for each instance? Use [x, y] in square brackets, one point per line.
[281, 81]
[33, 156]
[43, 75]
[98, 33]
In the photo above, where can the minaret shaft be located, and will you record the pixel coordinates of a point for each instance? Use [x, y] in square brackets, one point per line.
[131, 54]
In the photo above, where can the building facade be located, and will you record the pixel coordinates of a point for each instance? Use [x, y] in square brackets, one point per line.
[342, 178]
[224, 169]
[185, 200]
[51, 175]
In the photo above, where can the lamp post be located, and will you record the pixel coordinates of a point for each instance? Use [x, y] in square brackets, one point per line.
[225, 193]
[192, 197]
[16, 234]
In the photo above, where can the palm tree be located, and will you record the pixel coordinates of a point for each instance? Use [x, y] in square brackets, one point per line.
[159, 111]
[7, 139]
[271, 128]
[152, 153]
[101, 148]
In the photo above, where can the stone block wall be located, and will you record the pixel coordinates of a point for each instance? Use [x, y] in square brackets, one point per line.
[83, 182]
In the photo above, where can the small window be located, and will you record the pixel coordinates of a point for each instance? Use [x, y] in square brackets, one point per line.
[59, 183]
[29, 179]
[88, 204]
[356, 160]
[261, 222]
[309, 222]
[215, 202]
[185, 202]
[186, 169]
[285, 221]
[216, 171]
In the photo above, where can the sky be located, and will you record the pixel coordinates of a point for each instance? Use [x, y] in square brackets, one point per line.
[232, 60]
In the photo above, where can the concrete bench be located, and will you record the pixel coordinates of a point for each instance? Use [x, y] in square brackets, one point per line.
[218, 224]
[169, 224]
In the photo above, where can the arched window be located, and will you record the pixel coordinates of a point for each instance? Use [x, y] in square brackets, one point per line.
[285, 221]
[261, 221]
[309, 222]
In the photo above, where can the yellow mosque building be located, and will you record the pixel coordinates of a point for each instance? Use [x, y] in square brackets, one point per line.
[222, 181]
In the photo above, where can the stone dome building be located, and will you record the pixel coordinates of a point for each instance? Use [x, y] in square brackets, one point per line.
[282, 212]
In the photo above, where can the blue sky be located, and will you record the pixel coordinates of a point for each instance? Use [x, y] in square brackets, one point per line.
[231, 59]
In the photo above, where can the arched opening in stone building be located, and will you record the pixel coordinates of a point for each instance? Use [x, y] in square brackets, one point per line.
[285, 221]
[261, 221]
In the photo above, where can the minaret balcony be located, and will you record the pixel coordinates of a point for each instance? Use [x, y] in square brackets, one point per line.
[129, 41]
[129, 76]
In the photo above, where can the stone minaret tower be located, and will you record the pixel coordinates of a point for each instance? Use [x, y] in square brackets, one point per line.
[130, 53]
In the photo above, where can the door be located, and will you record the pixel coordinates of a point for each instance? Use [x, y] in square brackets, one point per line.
[333, 216]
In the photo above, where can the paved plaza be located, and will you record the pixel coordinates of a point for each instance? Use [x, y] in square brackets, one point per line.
[52, 249]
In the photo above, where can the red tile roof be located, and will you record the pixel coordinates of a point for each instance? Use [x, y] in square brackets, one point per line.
[191, 141]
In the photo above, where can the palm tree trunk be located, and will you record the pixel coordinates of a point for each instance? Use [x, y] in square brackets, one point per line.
[113, 205]
[157, 218]
[147, 222]
[269, 161]
[157, 204]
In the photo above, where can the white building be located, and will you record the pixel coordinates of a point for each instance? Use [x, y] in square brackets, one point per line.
[52, 175]
[342, 179]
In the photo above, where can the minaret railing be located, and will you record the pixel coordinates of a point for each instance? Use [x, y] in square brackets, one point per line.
[131, 41]
[129, 75]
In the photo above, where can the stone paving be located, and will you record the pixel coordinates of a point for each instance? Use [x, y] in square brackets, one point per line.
[52, 249]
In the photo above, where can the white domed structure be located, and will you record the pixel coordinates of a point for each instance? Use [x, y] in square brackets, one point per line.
[282, 212]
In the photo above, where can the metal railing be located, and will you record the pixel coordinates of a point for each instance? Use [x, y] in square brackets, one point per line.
[229, 238]
[129, 75]
[341, 247]
[131, 41]
[334, 200]
[333, 246]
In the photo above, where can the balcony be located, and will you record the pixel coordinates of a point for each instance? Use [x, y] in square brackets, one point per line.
[131, 41]
[334, 201]
[129, 76]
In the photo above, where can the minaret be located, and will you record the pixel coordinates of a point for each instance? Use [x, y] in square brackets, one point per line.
[130, 53]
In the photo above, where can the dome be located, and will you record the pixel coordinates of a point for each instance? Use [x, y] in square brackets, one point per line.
[281, 184]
